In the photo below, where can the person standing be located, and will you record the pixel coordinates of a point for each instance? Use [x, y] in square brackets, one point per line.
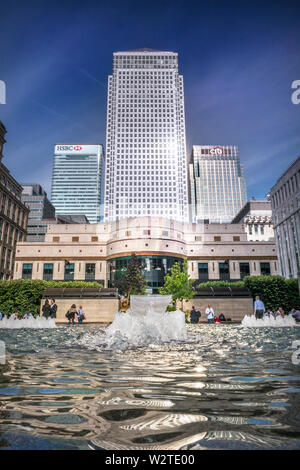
[53, 308]
[71, 314]
[259, 307]
[195, 315]
[80, 315]
[210, 314]
[46, 309]
[1, 316]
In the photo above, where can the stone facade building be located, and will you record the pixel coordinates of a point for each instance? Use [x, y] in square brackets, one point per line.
[13, 215]
[256, 216]
[285, 199]
[101, 251]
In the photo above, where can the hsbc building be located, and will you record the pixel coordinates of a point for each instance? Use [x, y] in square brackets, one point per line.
[77, 180]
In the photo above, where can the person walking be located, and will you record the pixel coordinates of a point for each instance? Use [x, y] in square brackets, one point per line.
[80, 315]
[71, 314]
[53, 308]
[210, 314]
[46, 309]
[259, 308]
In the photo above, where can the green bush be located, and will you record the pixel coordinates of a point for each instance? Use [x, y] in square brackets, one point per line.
[221, 284]
[24, 295]
[274, 291]
[171, 308]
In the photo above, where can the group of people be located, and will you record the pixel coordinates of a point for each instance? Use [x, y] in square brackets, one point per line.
[18, 316]
[210, 315]
[73, 313]
[49, 310]
[261, 312]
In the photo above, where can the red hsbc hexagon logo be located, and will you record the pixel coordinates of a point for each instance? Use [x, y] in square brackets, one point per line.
[77, 147]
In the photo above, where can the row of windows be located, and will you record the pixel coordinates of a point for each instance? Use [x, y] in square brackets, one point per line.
[11, 209]
[69, 269]
[148, 264]
[287, 190]
[224, 272]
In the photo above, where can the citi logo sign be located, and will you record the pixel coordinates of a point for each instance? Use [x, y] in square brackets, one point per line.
[216, 151]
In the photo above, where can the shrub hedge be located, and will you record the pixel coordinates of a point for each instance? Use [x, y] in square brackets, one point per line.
[24, 295]
[274, 291]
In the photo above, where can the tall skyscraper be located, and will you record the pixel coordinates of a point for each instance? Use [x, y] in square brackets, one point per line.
[146, 169]
[77, 180]
[217, 183]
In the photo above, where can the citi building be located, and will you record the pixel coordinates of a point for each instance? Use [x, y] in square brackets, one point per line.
[217, 183]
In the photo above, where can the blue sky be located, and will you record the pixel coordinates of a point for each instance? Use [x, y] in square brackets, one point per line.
[238, 59]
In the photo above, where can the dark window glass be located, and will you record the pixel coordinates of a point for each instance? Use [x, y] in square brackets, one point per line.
[244, 269]
[224, 271]
[203, 271]
[265, 269]
[27, 271]
[69, 271]
[90, 271]
[48, 272]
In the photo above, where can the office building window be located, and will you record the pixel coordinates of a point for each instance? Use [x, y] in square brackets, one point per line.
[244, 270]
[224, 271]
[69, 271]
[27, 271]
[265, 269]
[90, 271]
[48, 272]
[203, 272]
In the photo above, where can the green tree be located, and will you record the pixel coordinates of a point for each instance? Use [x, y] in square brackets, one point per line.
[178, 283]
[131, 281]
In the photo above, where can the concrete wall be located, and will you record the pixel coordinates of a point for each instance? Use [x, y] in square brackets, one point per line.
[96, 310]
[233, 308]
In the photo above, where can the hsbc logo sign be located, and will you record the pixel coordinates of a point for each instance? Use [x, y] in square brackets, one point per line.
[67, 148]
[216, 151]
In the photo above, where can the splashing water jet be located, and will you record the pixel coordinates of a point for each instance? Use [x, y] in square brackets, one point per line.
[146, 322]
[36, 323]
[278, 322]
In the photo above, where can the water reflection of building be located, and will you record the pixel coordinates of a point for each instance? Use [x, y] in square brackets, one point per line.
[13, 215]
[101, 251]
[285, 199]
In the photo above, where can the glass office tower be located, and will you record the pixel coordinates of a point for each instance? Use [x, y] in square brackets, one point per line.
[146, 166]
[217, 183]
[77, 180]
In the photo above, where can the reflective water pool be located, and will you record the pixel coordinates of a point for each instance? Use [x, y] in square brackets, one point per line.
[226, 387]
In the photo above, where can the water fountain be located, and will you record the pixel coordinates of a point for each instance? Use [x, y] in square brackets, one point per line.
[274, 322]
[39, 322]
[147, 322]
